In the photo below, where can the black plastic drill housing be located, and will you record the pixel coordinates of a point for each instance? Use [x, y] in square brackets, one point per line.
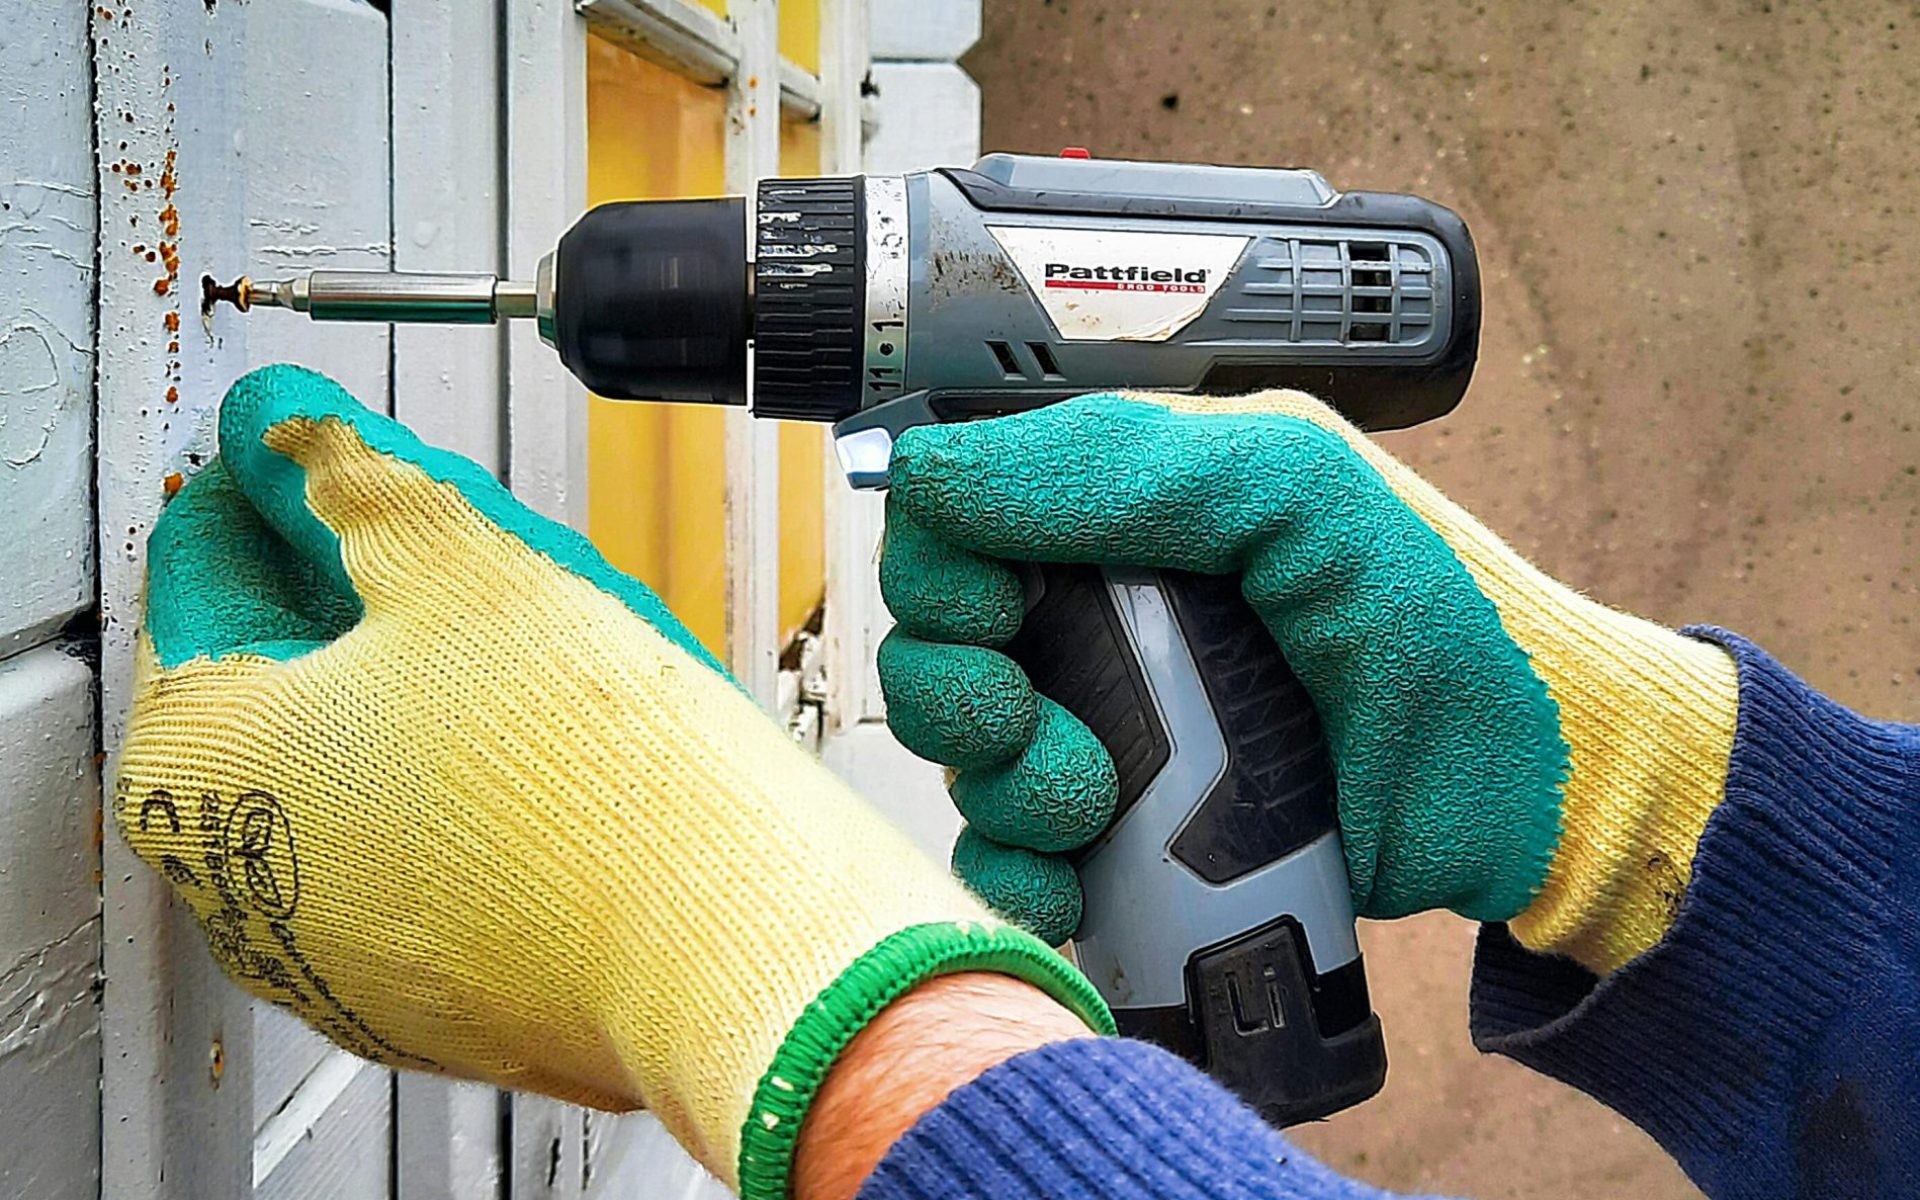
[651, 300]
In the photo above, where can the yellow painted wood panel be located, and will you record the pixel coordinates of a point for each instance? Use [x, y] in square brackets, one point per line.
[800, 41]
[803, 475]
[657, 472]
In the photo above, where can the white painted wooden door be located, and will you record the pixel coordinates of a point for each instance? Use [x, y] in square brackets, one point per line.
[167, 140]
[265, 137]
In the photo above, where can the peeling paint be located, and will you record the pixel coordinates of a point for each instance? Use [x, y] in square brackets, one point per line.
[65, 189]
[324, 251]
[28, 370]
[283, 225]
[42, 985]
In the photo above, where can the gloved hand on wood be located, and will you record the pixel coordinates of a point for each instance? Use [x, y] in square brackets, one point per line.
[438, 779]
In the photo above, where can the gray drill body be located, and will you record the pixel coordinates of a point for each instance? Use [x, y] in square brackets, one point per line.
[972, 319]
[972, 322]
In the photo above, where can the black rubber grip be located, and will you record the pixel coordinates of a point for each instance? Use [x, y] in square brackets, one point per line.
[1277, 792]
[1075, 652]
[1294, 1041]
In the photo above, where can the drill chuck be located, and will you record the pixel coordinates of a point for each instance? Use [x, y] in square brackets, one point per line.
[658, 300]
[651, 300]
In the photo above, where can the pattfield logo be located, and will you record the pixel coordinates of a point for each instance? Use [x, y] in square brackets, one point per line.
[1192, 280]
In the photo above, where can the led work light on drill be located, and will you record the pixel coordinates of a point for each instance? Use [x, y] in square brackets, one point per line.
[1218, 920]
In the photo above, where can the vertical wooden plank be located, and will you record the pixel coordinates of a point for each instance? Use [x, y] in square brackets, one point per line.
[635, 1156]
[843, 66]
[312, 163]
[930, 116]
[211, 160]
[546, 129]
[548, 1153]
[46, 328]
[853, 518]
[49, 786]
[315, 202]
[753, 446]
[447, 216]
[166, 96]
[49, 928]
[449, 387]
[447, 1137]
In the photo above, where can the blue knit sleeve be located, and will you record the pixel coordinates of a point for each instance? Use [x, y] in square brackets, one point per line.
[1099, 1119]
[1771, 1041]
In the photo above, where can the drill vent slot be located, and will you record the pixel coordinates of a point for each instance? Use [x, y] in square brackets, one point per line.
[1009, 365]
[1340, 291]
[1043, 354]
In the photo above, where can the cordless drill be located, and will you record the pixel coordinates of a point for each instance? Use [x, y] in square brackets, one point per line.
[1218, 918]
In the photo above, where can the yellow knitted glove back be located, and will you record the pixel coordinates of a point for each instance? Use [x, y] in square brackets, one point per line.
[1647, 714]
[437, 779]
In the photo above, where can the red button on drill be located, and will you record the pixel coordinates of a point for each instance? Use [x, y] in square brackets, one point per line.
[1075, 152]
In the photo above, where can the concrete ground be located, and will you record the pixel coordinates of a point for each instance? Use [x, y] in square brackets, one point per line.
[1696, 396]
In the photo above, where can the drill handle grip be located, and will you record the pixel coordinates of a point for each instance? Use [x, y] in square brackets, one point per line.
[1218, 920]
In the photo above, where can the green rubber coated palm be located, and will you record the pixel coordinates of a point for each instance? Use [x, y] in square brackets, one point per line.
[1445, 743]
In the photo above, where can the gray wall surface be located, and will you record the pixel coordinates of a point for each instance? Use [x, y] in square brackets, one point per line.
[1696, 392]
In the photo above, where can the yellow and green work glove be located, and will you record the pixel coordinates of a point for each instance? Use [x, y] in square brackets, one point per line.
[1504, 747]
[441, 781]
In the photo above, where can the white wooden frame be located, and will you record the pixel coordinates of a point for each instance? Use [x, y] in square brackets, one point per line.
[931, 118]
[741, 54]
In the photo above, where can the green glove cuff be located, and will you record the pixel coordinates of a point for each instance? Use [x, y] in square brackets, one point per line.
[890, 970]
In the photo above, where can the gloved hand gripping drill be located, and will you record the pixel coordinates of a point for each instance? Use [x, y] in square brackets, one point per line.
[1217, 917]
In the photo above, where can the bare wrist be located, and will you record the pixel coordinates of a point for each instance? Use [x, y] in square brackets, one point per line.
[938, 1037]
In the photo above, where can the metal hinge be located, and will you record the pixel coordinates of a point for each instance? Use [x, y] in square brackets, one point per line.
[801, 695]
